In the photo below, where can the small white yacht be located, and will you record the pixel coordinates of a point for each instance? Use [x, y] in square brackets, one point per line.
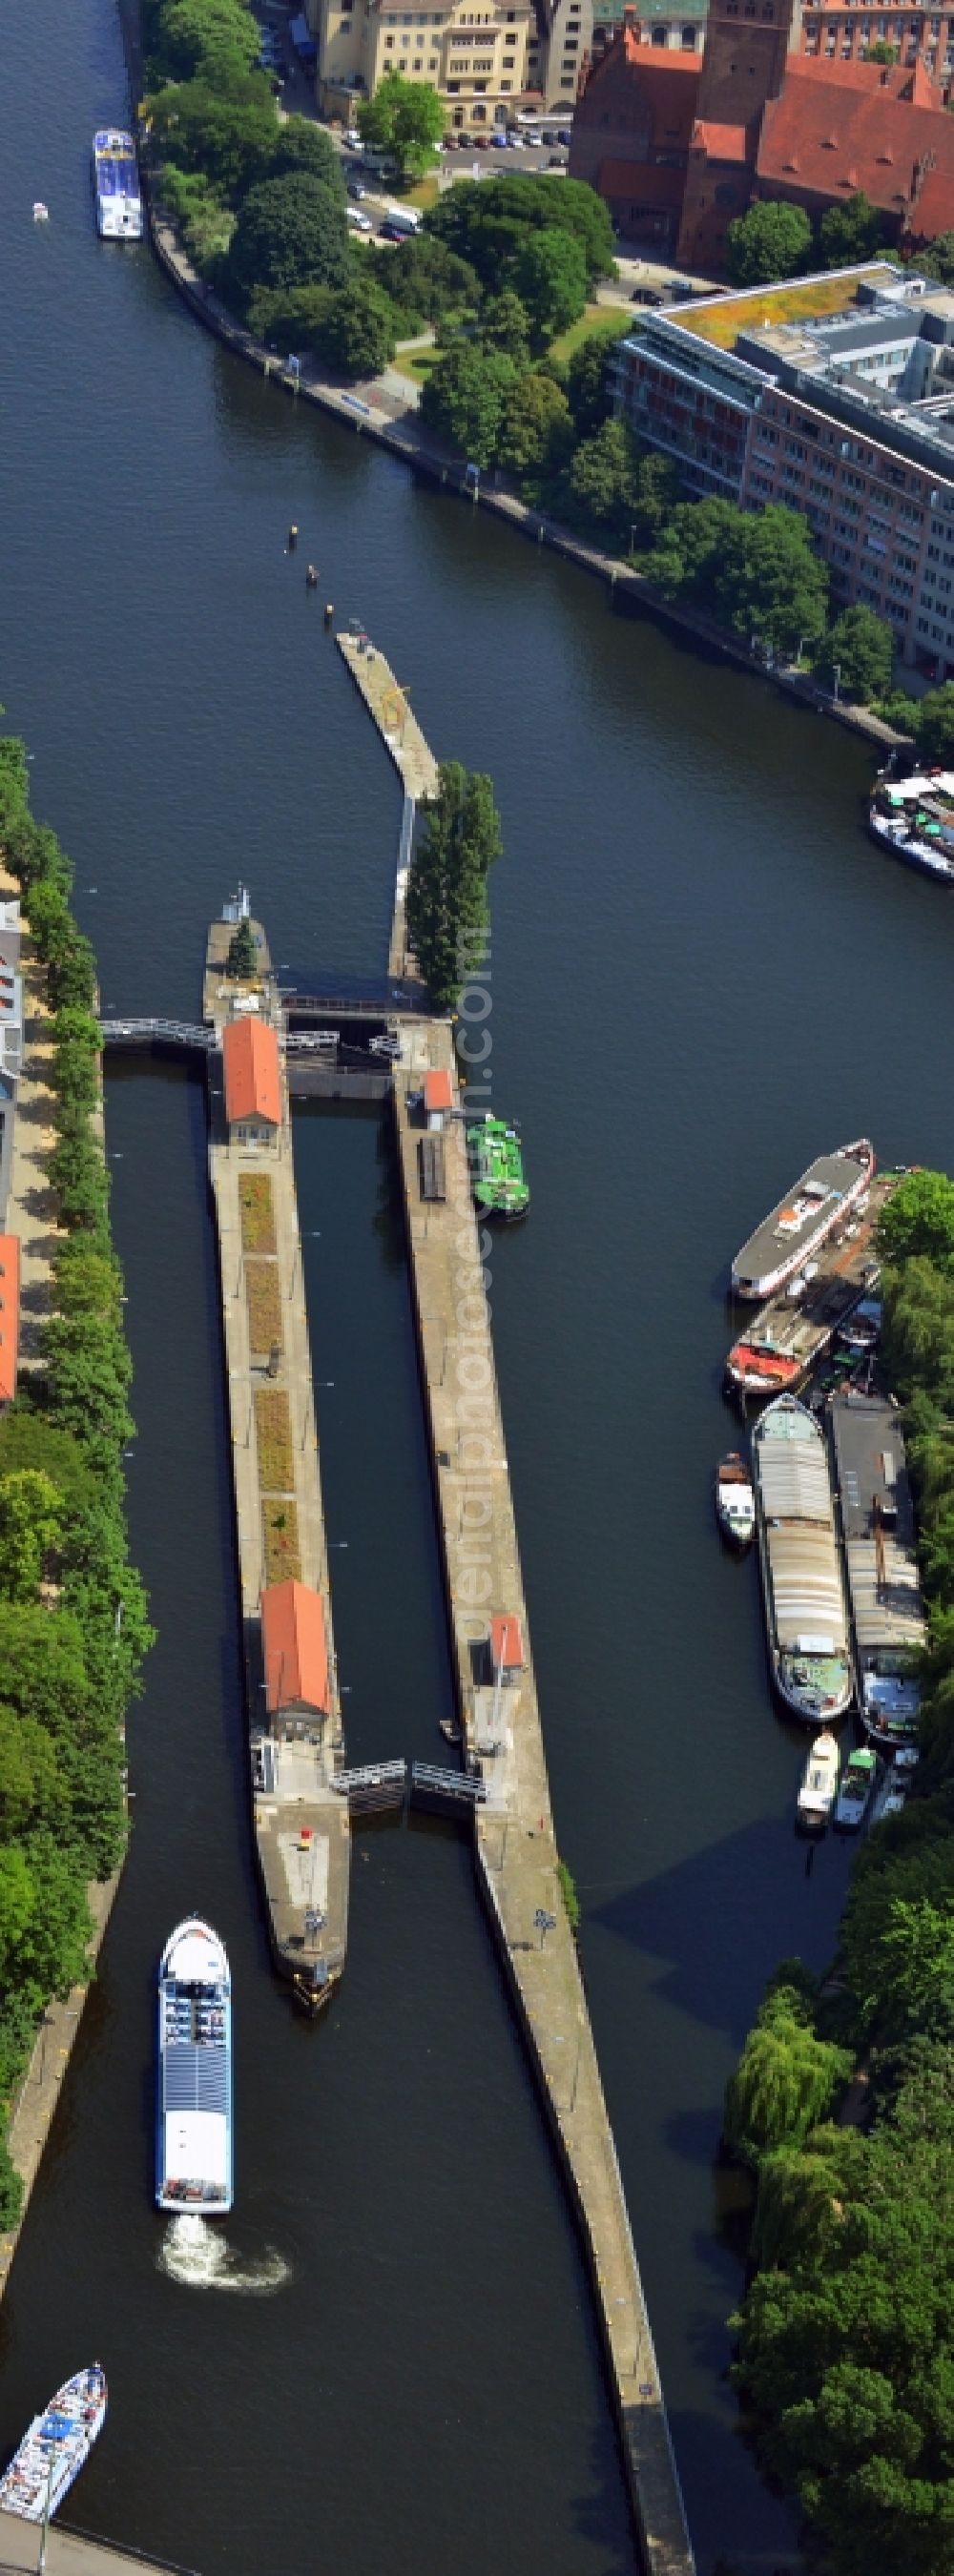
[816, 1796]
[735, 1500]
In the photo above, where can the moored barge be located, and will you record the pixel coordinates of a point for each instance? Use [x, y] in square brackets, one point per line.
[795, 1328]
[794, 1232]
[878, 1539]
[805, 1613]
[913, 817]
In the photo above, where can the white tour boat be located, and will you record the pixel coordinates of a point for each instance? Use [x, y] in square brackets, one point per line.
[116, 185]
[914, 818]
[52, 2453]
[194, 2105]
[796, 1228]
[816, 1796]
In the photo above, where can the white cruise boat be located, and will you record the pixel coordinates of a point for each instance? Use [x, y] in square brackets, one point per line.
[194, 2106]
[802, 1222]
[806, 1615]
[816, 1796]
[52, 2453]
[914, 818]
[116, 185]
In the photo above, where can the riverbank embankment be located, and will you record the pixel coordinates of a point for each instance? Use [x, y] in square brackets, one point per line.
[71, 2553]
[300, 1820]
[358, 411]
[515, 1845]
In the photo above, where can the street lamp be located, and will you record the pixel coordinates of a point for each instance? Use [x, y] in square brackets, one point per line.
[836, 667]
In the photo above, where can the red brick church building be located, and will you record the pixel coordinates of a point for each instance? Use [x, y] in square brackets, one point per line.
[678, 145]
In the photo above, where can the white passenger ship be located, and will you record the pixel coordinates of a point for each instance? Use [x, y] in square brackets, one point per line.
[52, 2453]
[116, 185]
[194, 2108]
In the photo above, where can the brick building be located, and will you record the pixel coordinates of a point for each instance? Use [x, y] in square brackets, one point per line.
[680, 147]
[834, 395]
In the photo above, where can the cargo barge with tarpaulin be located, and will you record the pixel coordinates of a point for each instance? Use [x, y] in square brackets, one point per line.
[795, 1328]
[878, 1539]
[806, 1614]
[796, 1229]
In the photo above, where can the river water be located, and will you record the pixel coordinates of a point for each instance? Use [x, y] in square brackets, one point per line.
[702, 973]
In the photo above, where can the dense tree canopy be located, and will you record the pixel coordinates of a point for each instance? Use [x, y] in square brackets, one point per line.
[358, 335]
[850, 233]
[486, 221]
[936, 724]
[214, 38]
[549, 272]
[536, 432]
[858, 652]
[447, 898]
[464, 398]
[587, 384]
[290, 232]
[771, 241]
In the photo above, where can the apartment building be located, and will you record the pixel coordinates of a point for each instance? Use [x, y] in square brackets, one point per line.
[835, 396]
[475, 55]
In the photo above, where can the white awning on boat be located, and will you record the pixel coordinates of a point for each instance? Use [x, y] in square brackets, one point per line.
[196, 2147]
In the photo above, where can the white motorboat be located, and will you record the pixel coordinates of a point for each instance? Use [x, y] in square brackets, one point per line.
[816, 1796]
[52, 2452]
[856, 1789]
[735, 1500]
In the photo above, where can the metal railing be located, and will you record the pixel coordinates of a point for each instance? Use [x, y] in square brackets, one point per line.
[179, 1033]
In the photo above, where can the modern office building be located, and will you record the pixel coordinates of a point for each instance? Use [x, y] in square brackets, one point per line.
[834, 395]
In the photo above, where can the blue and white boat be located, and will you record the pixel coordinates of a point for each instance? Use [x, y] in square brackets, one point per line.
[52, 2453]
[116, 185]
[194, 2107]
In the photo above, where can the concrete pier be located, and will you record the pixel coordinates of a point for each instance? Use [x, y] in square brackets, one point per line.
[71, 2553]
[301, 1822]
[414, 761]
[514, 1837]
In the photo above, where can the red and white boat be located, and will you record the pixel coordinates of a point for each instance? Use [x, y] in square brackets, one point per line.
[802, 1222]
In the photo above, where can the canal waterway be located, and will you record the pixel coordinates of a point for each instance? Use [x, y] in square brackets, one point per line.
[702, 973]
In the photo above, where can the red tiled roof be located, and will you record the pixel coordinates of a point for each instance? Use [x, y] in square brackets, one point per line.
[9, 1315]
[252, 1081]
[629, 73]
[294, 1647]
[861, 129]
[506, 1643]
[438, 1089]
[721, 142]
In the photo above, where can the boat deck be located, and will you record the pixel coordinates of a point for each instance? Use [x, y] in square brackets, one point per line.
[796, 1218]
[881, 1560]
[802, 1333]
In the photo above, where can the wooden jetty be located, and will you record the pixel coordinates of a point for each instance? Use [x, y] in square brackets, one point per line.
[300, 1817]
[413, 758]
[503, 1749]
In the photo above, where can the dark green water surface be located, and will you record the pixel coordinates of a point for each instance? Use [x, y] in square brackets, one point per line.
[702, 973]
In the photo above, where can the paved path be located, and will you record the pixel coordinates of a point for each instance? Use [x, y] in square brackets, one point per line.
[68, 2553]
[414, 761]
[516, 1849]
[31, 1203]
[301, 1877]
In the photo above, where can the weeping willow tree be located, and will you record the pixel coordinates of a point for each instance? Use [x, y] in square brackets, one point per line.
[786, 2079]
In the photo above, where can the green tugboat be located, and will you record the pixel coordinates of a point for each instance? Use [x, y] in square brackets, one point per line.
[496, 1168]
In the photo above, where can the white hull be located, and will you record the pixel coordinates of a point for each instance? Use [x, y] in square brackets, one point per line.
[808, 1244]
[194, 2098]
[119, 215]
[52, 2453]
[916, 854]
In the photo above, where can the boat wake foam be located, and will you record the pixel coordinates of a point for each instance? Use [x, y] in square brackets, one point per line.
[195, 2253]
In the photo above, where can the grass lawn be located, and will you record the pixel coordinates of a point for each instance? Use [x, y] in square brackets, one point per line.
[603, 319]
[258, 1221]
[276, 1462]
[280, 1527]
[263, 1295]
[424, 193]
[415, 363]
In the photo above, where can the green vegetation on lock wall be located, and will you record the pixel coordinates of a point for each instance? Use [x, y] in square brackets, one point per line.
[448, 911]
[846, 2335]
[73, 1623]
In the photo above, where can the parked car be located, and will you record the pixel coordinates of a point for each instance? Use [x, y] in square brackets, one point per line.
[360, 223]
[565, 136]
[357, 189]
[481, 142]
[500, 143]
[646, 295]
[556, 160]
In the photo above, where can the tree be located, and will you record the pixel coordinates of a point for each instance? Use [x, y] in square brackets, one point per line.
[405, 118]
[587, 384]
[358, 336]
[601, 484]
[242, 960]
[937, 258]
[882, 52]
[290, 318]
[785, 2081]
[771, 241]
[300, 146]
[227, 139]
[851, 232]
[505, 325]
[463, 400]
[860, 648]
[447, 904]
[426, 279]
[32, 1789]
[537, 432]
[290, 232]
[207, 36]
[655, 493]
[487, 222]
[936, 724]
[31, 1526]
[770, 584]
[550, 277]
[919, 1220]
